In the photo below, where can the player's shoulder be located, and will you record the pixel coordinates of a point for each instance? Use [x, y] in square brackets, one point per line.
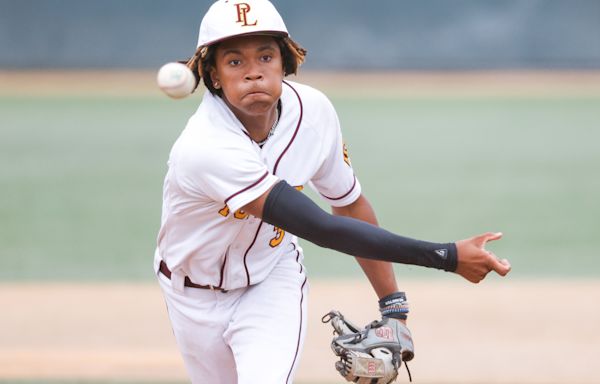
[213, 123]
[316, 106]
[206, 138]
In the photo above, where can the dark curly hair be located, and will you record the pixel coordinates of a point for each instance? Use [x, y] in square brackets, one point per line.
[203, 61]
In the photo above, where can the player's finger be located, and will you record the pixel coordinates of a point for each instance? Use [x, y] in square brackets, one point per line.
[491, 236]
[501, 267]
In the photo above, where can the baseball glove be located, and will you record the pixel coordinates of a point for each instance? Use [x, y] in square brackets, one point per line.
[371, 355]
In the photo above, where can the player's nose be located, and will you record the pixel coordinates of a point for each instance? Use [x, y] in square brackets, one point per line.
[254, 73]
[254, 76]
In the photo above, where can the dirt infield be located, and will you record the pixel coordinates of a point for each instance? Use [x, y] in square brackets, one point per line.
[495, 332]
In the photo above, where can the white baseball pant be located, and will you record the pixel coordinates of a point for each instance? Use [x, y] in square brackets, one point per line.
[251, 335]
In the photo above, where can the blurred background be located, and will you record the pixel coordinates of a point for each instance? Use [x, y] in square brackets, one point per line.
[340, 34]
[460, 116]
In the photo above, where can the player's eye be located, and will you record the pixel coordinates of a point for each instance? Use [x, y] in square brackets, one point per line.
[266, 58]
[235, 62]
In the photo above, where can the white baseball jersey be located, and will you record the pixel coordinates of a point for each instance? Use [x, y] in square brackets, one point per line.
[215, 169]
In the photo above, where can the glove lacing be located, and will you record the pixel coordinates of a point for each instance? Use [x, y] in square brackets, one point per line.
[408, 370]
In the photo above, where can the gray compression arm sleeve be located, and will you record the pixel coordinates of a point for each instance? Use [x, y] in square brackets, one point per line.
[291, 211]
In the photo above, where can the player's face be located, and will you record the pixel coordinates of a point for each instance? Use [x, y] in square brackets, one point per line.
[249, 70]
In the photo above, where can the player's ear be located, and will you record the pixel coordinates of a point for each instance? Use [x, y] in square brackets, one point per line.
[213, 75]
[214, 79]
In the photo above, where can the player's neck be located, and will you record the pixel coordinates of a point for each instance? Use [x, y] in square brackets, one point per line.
[259, 127]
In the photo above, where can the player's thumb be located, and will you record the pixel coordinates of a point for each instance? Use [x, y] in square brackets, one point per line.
[502, 267]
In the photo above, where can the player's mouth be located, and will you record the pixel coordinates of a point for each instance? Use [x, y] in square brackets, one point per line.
[256, 92]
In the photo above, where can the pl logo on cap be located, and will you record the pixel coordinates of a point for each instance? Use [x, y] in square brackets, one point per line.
[242, 13]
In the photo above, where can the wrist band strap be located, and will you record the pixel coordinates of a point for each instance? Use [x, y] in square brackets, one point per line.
[394, 305]
[391, 299]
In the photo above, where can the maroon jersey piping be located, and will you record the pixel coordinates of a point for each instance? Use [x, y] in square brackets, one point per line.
[248, 187]
[274, 172]
[299, 331]
[345, 194]
[295, 132]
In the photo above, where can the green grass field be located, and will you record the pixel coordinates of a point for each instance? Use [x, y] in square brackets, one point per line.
[81, 179]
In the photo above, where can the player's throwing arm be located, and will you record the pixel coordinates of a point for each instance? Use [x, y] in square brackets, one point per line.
[289, 209]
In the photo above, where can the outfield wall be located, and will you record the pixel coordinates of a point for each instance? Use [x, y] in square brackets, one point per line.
[350, 34]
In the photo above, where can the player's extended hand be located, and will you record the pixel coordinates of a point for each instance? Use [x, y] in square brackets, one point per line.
[475, 262]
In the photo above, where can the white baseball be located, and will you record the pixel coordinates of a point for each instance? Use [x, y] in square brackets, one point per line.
[176, 80]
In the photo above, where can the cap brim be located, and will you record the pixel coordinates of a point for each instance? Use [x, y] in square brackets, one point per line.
[267, 33]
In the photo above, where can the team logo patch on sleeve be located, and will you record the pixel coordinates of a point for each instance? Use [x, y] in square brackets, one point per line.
[346, 157]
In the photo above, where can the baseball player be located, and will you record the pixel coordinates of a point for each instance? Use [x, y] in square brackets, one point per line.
[228, 258]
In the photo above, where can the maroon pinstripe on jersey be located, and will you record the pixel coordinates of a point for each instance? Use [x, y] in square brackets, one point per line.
[295, 132]
[344, 195]
[248, 187]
